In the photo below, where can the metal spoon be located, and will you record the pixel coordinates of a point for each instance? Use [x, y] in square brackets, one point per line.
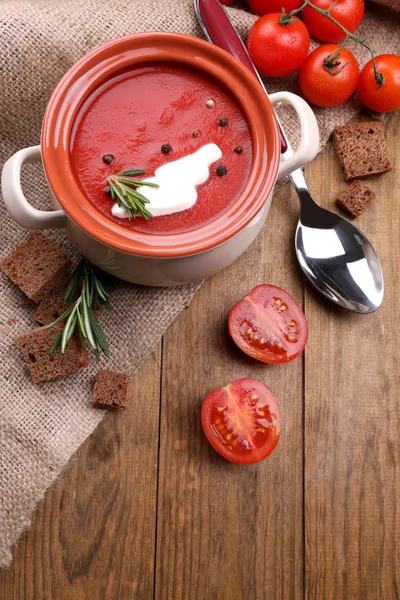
[335, 256]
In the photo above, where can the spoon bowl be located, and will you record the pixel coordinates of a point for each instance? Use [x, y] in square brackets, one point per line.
[337, 258]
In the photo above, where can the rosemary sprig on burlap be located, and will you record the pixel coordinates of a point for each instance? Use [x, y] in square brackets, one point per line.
[80, 316]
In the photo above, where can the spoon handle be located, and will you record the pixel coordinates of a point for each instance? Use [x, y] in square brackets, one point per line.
[219, 30]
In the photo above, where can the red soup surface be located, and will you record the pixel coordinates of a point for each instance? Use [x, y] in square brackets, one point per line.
[134, 114]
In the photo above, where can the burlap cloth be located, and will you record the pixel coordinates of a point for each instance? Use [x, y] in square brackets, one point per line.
[42, 426]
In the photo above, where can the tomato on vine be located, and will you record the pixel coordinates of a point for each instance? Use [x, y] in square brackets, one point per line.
[380, 90]
[349, 13]
[278, 45]
[329, 75]
[263, 7]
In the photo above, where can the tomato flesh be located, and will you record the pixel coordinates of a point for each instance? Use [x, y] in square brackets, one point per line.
[241, 421]
[269, 325]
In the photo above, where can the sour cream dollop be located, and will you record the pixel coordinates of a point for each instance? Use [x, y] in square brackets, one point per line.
[177, 180]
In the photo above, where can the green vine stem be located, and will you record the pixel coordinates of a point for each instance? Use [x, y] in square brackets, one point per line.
[286, 18]
[332, 62]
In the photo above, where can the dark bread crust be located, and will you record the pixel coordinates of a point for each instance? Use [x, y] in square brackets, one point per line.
[53, 305]
[356, 198]
[35, 346]
[35, 265]
[110, 389]
[362, 150]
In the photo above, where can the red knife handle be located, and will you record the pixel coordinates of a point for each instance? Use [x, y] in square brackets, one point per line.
[222, 33]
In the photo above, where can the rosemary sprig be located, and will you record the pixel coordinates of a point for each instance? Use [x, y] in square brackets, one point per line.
[80, 316]
[123, 189]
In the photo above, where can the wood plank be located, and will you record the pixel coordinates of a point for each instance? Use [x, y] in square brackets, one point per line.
[230, 531]
[352, 466]
[94, 535]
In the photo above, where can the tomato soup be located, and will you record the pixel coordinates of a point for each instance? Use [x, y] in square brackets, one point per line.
[151, 116]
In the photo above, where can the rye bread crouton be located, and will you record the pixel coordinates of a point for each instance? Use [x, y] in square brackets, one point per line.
[110, 389]
[35, 265]
[362, 150]
[53, 304]
[35, 346]
[356, 198]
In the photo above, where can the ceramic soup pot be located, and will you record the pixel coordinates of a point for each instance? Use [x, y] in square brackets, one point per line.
[159, 259]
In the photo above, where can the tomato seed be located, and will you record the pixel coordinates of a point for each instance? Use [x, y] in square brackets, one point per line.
[254, 397]
[278, 302]
[261, 341]
[292, 323]
[255, 337]
[260, 430]
[283, 307]
[280, 345]
[292, 339]
[221, 408]
[228, 437]
[217, 421]
[248, 331]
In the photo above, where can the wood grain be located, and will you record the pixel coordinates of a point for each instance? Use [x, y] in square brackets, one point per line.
[226, 531]
[352, 419]
[94, 535]
[213, 530]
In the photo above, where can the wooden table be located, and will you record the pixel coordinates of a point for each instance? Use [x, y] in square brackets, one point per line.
[149, 511]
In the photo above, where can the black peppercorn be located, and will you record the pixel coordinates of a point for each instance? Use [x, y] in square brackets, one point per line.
[238, 149]
[221, 170]
[223, 122]
[107, 191]
[108, 159]
[166, 149]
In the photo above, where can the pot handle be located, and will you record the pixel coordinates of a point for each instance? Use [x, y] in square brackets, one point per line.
[309, 140]
[16, 203]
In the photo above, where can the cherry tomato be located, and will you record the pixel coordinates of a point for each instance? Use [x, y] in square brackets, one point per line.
[348, 13]
[384, 98]
[241, 421]
[278, 50]
[268, 325]
[329, 75]
[263, 7]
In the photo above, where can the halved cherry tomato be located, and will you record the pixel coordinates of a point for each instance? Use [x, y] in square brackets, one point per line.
[269, 325]
[241, 421]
